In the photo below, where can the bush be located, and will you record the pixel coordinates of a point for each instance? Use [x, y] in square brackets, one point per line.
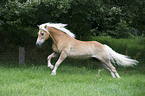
[17, 14]
[85, 17]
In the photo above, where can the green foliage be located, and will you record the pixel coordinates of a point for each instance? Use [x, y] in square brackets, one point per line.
[3, 1]
[17, 14]
[15, 17]
[119, 19]
[51, 11]
[122, 30]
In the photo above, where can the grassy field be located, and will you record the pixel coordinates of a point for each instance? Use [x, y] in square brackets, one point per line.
[36, 80]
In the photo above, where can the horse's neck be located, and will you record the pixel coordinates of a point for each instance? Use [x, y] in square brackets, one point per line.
[56, 35]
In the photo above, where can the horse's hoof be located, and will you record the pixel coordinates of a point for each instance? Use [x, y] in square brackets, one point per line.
[53, 73]
[51, 67]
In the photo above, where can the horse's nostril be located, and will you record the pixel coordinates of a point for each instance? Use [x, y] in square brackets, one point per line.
[37, 44]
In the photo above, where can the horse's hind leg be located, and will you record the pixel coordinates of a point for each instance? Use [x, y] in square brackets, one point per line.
[112, 68]
[113, 75]
[109, 66]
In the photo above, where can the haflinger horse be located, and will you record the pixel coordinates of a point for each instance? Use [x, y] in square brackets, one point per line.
[65, 44]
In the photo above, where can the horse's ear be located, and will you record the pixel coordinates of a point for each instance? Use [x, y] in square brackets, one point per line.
[38, 25]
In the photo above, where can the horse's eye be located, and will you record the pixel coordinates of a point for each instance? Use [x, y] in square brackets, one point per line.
[42, 34]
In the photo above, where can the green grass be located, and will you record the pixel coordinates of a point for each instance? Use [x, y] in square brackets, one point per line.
[36, 80]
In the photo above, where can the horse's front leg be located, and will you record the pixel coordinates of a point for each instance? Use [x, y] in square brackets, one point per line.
[63, 55]
[49, 59]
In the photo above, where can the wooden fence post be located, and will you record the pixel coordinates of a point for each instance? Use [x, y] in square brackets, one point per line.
[21, 55]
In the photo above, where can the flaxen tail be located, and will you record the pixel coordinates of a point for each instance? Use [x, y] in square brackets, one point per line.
[119, 58]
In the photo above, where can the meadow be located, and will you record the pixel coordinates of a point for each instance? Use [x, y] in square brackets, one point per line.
[69, 81]
[75, 77]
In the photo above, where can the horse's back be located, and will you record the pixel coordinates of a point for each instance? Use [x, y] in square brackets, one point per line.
[84, 48]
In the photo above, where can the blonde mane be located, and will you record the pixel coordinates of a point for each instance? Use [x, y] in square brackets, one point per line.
[58, 26]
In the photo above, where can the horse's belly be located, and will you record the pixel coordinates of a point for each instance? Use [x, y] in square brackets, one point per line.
[80, 55]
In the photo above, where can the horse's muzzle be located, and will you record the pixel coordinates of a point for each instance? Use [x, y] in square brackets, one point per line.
[38, 44]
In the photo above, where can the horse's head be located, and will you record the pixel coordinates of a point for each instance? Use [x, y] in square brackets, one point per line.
[42, 36]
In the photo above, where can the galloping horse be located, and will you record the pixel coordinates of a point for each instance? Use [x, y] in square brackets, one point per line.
[65, 44]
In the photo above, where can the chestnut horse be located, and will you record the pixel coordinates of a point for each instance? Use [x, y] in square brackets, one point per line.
[65, 44]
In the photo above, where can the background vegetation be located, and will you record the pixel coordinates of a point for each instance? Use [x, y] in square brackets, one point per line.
[117, 23]
[118, 19]
[85, 18]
